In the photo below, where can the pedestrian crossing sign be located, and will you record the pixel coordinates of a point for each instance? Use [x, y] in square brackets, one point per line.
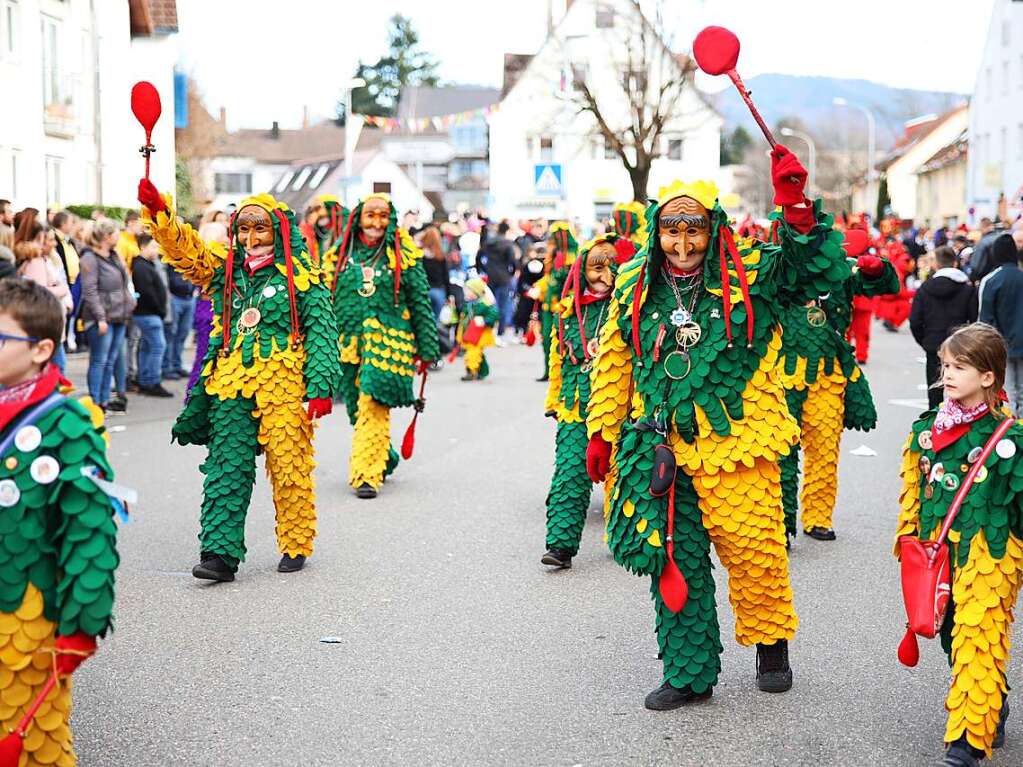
[547, 179]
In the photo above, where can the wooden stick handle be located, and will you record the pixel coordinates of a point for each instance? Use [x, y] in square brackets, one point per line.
[753, 110]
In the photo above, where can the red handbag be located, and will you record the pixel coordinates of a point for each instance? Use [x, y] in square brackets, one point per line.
[926, 572]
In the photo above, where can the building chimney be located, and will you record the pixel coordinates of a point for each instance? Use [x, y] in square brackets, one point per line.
[275, 130]
[305, 117]
[223, 116]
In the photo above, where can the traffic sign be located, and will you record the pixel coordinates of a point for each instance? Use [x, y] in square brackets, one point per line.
[547, 179]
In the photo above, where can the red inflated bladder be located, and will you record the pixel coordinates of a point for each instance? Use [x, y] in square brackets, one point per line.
[145, 104]
[716, 50]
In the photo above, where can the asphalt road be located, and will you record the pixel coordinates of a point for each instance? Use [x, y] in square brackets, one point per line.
[452, 645]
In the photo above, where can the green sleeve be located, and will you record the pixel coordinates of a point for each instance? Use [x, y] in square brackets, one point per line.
[812, 264]
[491, 314]
[322, 358]
[86, 534]
[885, 284]
[416, 289]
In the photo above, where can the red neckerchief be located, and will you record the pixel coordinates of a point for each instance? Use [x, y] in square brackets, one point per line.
[676, 272]
[18, 398]
[254, 263]
[589, 297]
[365, 240]
[953, 421]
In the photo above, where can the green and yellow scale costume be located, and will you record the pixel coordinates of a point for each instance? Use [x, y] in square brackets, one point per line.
[568, 399]
[385, 324]
[486, 310]
[249, 398]
[826, 392]
[986, 543]
[57, 560]
[726, 420]
[550, 285]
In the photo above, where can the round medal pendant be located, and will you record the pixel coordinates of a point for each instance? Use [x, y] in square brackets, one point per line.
[950, 482]
[688, 334]
[44, 469]
[592, 347]
[680, 317]
[250, 318]
[974, 454]
[929, 492]
[269, 291]
[937, 472]
[924, 440]
[1005, 448]
[9, 493]
[677, 365]
[367, 289]
[816, 317]
[981, 475]
[28, 439]
[925, 465]
[11, 463]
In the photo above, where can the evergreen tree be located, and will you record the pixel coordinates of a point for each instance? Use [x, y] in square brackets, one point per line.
[735, 145]
[405, 64]
[883, 200]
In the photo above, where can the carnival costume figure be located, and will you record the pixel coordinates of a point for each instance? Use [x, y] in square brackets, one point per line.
[562, 247]
[476, 323]
[273, 347]
[387, 332]
[573, 350]
[627, 221]
[824, 386]
[685, 377]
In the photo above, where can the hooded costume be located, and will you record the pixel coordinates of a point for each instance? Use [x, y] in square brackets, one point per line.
[894, 308]
[475, 331]
[568, 397]
[273, 346]
[550, 285]
[627, 219]
[382, 305]
[58, 555]
[825, 388]
[693, 368]
[330, 233]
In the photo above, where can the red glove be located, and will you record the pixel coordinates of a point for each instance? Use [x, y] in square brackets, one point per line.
[150, 197]
[871, 266]
[788, 176]
[800, 219]
[72, 651]
[598, 458]
[319, 407]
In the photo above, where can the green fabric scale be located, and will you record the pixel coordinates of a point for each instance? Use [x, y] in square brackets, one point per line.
[63, 531]
[569, 497]
[994, 506]
[354, 314]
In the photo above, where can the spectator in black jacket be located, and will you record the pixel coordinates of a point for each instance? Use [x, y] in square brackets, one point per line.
[150, 309]
[943, 303]
[176, 330]
[497, 259]
[1001, 305]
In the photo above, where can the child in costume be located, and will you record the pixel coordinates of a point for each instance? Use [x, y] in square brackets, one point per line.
[573, 349]
[561, 252]
[986, 538]
[476, 328]
[894, 309]
[58, 553]
[273, 347]
[387, 332]
[825, 388]
[686, 375]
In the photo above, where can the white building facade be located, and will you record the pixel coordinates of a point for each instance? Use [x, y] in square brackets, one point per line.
[996, 117]
[69, 66]
[548, 159]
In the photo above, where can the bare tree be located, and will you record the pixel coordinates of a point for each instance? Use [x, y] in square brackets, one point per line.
[649, 82]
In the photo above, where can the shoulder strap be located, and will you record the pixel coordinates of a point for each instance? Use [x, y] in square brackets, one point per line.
[33, 415]
[964, 488]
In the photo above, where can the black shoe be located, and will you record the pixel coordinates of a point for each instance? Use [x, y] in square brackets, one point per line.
[666, 697]
[557, 558]
[890, 327]
[999, 740]
[470, 377]
[365, 492]
[773, 671]
[290, 564]
[155, 391]
[212, 567]
[961, 754]
[820, 533]
[543, 379]
[118, 404]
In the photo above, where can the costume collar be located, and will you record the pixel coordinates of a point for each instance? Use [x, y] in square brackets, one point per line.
[589, 297]
[254, 263]
[363, 239]
[953, 421]
[17, 398]
[676, 272]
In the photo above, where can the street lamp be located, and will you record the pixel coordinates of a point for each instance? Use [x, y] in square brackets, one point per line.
[813, 154]
[351, 132]
[838, 101]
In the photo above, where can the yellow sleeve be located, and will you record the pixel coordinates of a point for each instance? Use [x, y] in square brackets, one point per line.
[909, 498]
[610, 380]
[553, 398]
[183, 249]
[541, 286]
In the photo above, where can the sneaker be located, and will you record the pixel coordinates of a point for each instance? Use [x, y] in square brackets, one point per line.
[666, 697]
[774, 674]
[820, 533]
[155, 391]
[961, 754]
[117, 404]
[290, 564]
[543, 379]
[170, 375]
[470, 377]
[365, 491]
[182, 373]
[212, 567]
[557, 558]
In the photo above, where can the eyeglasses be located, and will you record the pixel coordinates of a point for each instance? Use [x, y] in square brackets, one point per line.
[5, 337]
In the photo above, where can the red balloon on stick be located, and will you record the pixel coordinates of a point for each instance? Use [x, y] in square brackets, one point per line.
[145, 104]
[716, 51]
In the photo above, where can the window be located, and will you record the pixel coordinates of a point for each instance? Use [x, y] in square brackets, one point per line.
[546, 148]
[635, 81]
[10, 20]
[317, 178]
[301, 178]
[470, 138]
[467, 169]
[285, 180]
[381, 187]
[579, 74]
[609, 150]
[53, 178]
[605, 16]
[54, 90]
[674, 150]
[233, 183]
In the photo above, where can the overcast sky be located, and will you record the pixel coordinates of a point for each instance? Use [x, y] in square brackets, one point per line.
[305, 50]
